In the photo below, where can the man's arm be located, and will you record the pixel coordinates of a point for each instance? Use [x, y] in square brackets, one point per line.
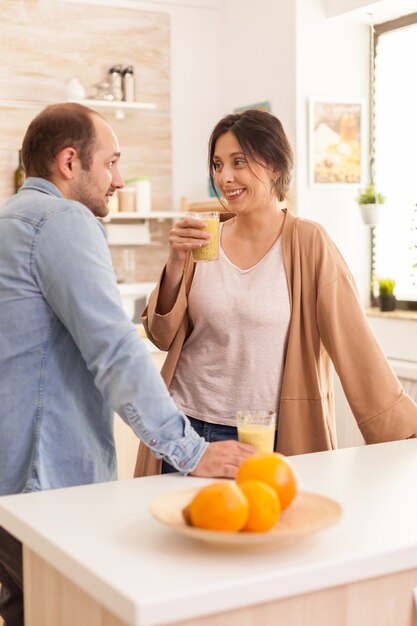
[75, 273]
[222, 459]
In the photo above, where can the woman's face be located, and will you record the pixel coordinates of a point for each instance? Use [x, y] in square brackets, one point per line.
[246, 185]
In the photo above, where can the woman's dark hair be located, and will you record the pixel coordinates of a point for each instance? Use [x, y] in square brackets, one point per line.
[58, 126]
[262, 139]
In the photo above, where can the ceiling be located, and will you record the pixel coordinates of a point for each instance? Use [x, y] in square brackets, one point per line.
[380, 10]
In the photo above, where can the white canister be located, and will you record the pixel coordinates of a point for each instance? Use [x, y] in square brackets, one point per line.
[74, 90]
[143, 195]
[113, 203]
[127, 199]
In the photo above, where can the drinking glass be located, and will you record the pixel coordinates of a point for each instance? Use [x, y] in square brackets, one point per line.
[209, 252]
[257, 427]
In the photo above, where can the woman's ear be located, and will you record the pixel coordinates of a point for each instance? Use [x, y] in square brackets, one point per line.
[66, 161]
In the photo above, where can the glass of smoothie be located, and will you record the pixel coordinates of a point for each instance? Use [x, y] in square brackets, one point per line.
[257, 427]
[210, 252]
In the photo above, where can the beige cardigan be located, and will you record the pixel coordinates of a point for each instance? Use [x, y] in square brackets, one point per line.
[327, 325]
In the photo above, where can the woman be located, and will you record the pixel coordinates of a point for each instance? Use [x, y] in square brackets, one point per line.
[261, 326]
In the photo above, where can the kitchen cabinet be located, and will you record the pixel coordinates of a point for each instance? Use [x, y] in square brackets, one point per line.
[94, 554]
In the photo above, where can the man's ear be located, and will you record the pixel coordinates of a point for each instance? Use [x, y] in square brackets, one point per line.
[66, 162]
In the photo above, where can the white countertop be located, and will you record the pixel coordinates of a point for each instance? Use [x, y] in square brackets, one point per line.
[103, 538]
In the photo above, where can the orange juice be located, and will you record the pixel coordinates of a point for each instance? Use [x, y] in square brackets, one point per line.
[210, 252]
[260, 437]
[257, 427]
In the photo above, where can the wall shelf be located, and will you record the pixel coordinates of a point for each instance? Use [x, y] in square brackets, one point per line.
[120, 108]
[138, 217]
[113, 104]
[22, 104]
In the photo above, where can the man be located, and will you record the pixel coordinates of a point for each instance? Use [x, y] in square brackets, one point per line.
[69, 355]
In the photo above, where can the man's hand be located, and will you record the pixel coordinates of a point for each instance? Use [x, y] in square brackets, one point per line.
[222, 459]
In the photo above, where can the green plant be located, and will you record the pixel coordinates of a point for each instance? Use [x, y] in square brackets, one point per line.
[386, 286]
[369, 196]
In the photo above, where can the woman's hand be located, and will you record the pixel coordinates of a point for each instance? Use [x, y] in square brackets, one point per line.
[186, 236]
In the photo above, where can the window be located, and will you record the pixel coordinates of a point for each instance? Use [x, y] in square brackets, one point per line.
[395, 150]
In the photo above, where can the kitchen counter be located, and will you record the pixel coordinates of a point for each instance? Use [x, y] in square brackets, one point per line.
[102, 539]
[398, 314]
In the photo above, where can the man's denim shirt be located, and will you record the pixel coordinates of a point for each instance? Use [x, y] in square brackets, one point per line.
[69, 355]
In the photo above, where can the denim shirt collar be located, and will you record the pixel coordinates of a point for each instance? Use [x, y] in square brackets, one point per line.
[43, 185]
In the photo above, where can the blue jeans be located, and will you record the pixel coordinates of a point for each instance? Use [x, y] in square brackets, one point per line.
[210, 432]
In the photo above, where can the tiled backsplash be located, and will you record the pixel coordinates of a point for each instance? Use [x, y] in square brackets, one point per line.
[46, 43]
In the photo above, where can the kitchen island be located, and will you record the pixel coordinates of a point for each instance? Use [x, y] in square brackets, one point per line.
[94, 556]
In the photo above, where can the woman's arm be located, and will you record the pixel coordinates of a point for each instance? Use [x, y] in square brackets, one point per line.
[184, 237]
[168, 302]
[382, 409]
[169, 286]
[160, 328]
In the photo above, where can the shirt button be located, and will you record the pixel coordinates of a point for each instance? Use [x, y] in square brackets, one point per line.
[153, 441]
[181, 463]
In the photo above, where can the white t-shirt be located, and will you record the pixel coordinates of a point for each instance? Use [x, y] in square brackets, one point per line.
[233, 358]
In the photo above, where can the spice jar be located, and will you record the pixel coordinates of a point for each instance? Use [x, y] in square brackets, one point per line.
[129, 84]
[115, 77]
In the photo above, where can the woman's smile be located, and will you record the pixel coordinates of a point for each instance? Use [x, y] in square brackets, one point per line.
[234, 194]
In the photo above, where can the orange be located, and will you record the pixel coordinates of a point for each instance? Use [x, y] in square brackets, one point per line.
[273, 469]
[264, 506]
[219, 506]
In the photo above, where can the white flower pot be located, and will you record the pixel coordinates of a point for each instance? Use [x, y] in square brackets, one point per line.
[371, 213]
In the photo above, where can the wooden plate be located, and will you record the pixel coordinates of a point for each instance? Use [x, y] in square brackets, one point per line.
[308, 513]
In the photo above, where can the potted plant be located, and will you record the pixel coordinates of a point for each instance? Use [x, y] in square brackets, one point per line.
[370, 203]
[386, 295]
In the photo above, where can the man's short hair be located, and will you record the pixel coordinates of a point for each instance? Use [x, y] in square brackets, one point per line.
[57, 127]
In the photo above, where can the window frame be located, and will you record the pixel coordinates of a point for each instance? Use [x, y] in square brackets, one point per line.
[378, 30]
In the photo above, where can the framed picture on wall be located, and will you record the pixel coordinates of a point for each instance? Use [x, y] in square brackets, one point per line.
[260, 106]
[335, 142]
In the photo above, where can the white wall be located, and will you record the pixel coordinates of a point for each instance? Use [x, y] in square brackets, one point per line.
[257, 57]
[195, 97]
[228, 53]
[288, 51]
[332, 55]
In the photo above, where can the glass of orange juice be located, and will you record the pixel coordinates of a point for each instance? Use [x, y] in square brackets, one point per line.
[257, 427]
[209, 252]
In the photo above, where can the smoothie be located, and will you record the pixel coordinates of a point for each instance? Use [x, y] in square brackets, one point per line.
[210, 252]
[260, 437]
[257, 427]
